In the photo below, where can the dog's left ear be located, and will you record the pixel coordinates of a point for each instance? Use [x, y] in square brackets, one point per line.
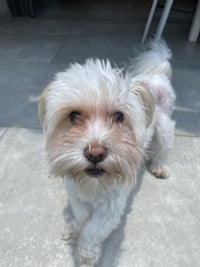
[42, 105]
[146, 99]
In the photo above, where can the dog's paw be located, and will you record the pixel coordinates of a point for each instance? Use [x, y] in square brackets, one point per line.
[71, 233]
[87, 255]
[70, 236]
[85, 262]
[160, 172]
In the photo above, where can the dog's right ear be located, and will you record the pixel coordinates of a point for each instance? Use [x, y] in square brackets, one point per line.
[146, 99]
[42, 105]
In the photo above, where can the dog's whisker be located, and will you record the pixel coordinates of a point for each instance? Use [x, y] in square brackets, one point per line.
[134, 146]
[89, 149]
[121, 169]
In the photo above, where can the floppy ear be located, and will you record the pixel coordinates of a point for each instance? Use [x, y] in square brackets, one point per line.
[42, 104]
[146, 99]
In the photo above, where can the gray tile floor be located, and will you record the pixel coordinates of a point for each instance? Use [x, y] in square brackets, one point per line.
[33, 49]
[161, 227]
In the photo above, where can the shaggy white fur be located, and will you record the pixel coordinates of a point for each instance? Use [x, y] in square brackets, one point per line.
[100, 126]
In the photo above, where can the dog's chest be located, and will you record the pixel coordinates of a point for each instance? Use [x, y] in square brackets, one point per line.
[92, 194]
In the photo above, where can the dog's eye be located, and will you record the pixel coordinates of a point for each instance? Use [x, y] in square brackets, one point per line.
[74, 116]
[118, 117]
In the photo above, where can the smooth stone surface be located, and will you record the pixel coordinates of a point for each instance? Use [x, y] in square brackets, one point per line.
[21, 85]
[29, 47]
[32, 50]
[160, 226]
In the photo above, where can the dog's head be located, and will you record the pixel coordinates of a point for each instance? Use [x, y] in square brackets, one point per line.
[95, 122]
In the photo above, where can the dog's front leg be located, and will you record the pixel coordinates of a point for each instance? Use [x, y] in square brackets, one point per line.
[105, 218]
[81, 214]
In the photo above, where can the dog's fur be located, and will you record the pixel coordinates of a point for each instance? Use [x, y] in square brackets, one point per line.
[100, 126]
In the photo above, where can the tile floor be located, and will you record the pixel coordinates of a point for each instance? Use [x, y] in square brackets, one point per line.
[33, 49]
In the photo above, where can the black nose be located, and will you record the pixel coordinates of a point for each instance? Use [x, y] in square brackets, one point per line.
[95, 153]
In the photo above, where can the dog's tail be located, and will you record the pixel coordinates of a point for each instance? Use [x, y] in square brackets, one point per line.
[156, 60]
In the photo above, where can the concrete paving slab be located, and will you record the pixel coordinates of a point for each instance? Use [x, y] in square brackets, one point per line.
[186, 55]
[116, 48]
[25, 25]
[21, 84]
[160, 227]
[29, 47]
[28, 230]
[187, 111]
[102, 30]
[71, 27]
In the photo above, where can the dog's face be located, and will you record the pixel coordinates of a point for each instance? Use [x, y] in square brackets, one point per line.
[95, 122]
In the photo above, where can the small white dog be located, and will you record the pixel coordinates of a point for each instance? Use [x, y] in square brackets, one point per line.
[100, 126]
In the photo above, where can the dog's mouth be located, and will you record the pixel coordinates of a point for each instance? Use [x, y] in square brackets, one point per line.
[94, 171]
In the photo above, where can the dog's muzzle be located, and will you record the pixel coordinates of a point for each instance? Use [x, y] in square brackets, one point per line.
[95, 153]
[94, 171]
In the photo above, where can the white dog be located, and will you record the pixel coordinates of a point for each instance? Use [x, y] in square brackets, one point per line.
[100, 126]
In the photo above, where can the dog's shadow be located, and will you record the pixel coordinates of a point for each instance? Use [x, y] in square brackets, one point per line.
[112, 247]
